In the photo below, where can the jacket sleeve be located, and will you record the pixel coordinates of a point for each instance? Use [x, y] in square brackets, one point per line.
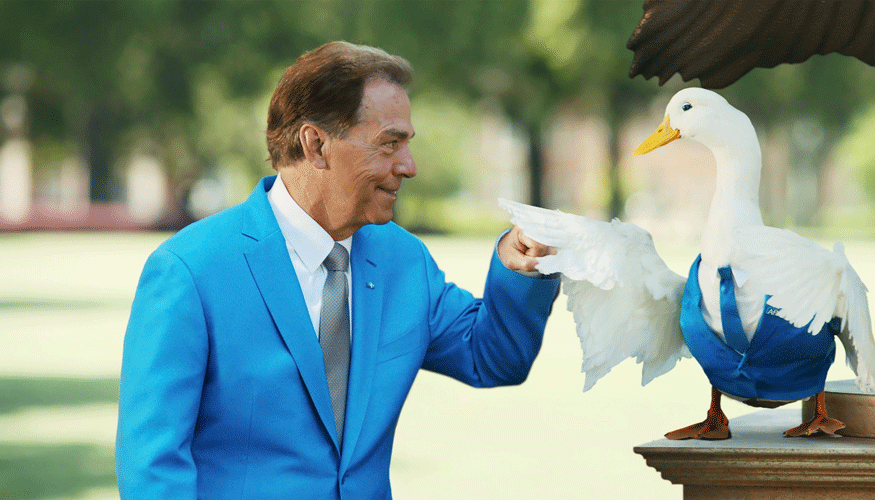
[490, 341]
[163, 366]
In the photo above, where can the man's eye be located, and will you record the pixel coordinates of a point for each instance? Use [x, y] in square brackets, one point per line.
[391, 145]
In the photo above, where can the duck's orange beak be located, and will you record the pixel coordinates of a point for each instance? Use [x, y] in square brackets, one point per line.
[664, 134]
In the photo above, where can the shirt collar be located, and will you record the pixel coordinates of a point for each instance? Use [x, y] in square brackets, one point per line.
[302, 233]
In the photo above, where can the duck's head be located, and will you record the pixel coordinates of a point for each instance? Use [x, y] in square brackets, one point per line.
[702, 116]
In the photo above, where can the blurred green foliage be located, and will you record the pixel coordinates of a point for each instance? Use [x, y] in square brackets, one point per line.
[188, 82]
[859, 146]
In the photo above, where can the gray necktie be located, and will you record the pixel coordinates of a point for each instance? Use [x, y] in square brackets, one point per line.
[334, 332]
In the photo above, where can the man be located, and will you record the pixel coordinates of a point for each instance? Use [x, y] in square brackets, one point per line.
[258, 367]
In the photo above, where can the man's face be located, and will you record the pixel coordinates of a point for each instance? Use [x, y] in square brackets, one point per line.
[369, 163]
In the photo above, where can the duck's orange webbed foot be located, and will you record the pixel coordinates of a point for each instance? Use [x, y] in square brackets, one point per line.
[715, 426]
[819, 423]
[815, 425]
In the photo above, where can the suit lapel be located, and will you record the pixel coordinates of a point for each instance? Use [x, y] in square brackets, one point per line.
[367, 307]
[271, 267]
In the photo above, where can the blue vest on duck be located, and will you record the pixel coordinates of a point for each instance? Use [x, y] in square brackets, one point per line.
[781, 363]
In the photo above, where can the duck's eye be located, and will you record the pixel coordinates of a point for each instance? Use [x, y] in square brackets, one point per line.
[687, 106]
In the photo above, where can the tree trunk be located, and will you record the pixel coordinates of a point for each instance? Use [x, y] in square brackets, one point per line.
[98, 154]
[536, 165]
[616, 200]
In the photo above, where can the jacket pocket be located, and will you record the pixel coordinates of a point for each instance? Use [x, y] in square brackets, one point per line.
[408, 342]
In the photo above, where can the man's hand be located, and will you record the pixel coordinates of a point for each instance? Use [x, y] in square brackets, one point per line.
[518, 252]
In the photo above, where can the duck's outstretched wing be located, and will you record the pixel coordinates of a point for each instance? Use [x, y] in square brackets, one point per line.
[625, 300]
[808, 283]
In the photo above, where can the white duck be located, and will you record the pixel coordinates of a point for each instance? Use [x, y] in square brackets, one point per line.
[770, 344]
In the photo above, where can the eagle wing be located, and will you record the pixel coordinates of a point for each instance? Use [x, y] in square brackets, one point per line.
[719, 41]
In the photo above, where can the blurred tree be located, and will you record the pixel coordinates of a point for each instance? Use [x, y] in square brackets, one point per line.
[469, 50]
[812, 106]
[111, 75]
[69, 49]
[159, 72]
[182, 79]
[859, 147]
[573, 57]
[598, 69]
[529, 56]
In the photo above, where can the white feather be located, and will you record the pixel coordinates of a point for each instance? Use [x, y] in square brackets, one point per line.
[856, 333]
[595, 255]
[811, 286]
[625, 300]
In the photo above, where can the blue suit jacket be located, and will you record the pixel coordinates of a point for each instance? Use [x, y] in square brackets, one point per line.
[223, 390]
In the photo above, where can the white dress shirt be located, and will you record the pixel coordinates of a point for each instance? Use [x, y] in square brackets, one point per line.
[308, 244]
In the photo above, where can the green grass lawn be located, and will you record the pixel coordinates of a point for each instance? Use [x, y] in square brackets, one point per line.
[64, 465]
[64, 300]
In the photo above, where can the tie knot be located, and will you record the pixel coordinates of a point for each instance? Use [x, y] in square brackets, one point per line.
[338, 259]
[725, 273]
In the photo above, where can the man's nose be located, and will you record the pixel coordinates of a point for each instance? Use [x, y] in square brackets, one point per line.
[406, 166]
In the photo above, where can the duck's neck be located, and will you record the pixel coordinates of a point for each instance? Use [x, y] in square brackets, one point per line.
[736, 199]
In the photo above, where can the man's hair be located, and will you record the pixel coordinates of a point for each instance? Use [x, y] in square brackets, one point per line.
[325, 87]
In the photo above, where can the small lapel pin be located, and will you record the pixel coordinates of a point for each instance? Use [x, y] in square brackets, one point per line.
[370, 284]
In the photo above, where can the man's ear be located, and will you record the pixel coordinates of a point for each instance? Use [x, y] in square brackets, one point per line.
[313, 141]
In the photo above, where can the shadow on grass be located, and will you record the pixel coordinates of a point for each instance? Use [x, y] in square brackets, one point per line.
[33, 471]
[42, 304]
[19, 392]
[37, 471]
